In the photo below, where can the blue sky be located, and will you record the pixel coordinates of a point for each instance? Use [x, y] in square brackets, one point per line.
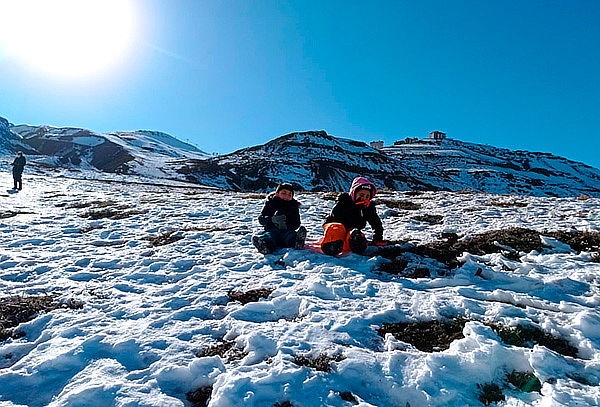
[227, 74]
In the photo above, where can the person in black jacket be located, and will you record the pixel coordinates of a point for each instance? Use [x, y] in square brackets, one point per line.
[280, 218]
[18, 166]
[350, 214]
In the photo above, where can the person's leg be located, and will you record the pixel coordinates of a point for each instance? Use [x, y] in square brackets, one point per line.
[357, 242]
[287, 238]
[300, 238]
[264, 242]
[20, 181]
[15, 180]
[332, 243]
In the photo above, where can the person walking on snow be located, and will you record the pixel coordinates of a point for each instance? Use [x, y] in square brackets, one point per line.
[350, 214]
[18, 166]
[280, 218]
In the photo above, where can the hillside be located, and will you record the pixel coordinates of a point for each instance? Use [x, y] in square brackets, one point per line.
[313, 161]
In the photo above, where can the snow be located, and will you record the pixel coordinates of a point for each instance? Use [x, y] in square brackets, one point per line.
[147, 310]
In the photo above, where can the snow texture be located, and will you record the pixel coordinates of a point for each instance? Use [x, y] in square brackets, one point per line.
[147, 310]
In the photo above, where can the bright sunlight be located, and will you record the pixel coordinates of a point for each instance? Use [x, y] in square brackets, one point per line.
[68, 38]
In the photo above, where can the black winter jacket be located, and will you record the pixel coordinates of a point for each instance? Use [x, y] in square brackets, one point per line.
[18, 165]
[354, 216]
[277, 206]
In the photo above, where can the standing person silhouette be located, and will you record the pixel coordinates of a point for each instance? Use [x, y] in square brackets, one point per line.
[18, 167]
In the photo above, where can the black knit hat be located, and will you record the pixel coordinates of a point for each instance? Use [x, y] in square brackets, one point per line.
[285, 185]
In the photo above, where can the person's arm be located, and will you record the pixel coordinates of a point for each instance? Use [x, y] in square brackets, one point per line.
[266, 214]
[375, 222]
[340, 208]
[293, 222]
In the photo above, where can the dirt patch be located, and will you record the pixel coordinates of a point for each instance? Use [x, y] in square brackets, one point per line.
[580, 241]
[95, 204]
[199, 397]
[526, 336]
[12, 214]
[16, 310]
[426, 336]
[254, 196]
[225, 349]
[508, 204]
[399, 204]
[248, 296]
[89, 228]
[428, 218]
[116, 213]
[330, 196]
[321, 362]
[283, 404]
[398, 267]
[166, 238]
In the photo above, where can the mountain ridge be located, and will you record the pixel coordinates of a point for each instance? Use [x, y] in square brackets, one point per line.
[311, 160]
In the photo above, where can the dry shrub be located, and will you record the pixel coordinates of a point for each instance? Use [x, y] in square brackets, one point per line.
[321, 362]
[165, 238]
[16, 310]
[427, 336]
[225, 349]
[199, 397]
[508, 204]
[428, 218]
[111, 213]
[253, 196]
[11, 214]
[248, 296]
[96, 204]
[529, 335]
[399, 204]
[89, 228]
[490, 393]
[330, 196]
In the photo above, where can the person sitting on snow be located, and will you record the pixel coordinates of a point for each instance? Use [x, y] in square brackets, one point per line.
[350, 214]
[280, 218]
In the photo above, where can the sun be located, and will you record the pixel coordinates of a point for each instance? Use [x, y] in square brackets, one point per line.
[70, 38]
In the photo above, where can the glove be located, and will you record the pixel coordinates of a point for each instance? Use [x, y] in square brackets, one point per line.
[378, 241]
[279, 221]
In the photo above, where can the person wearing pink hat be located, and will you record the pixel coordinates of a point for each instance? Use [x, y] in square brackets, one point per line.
[348, 217]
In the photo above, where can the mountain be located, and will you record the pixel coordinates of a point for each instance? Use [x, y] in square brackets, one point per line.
[147, 153]
[313, 161]
[9, 141]
[316, 161]
[454, 165]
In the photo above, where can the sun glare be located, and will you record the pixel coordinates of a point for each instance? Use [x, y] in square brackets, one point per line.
[70, 38]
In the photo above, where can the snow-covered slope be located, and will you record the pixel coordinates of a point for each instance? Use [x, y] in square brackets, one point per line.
[316, 161]
[11, 142]
[145, 153]
[312, 160]
[152, 316]
[455, 165]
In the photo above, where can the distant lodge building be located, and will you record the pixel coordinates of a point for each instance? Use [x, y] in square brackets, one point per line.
[378, 145]
[437, 135]
[434, 135]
